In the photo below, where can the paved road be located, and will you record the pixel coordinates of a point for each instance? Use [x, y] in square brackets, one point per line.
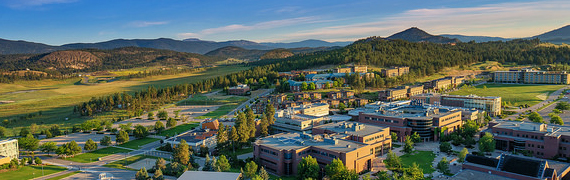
[551, 97]
[249, 102]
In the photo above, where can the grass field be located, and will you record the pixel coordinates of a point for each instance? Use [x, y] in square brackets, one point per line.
[30, 172]
[55, 98]
[516, 94]
[64, 176]
[423, 158]
[228, 103]
[135, 144]
[120, 164]
[178, 129]
[95, 155]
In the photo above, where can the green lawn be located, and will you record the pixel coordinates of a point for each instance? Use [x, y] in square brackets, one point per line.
[120, 164]
[30, 172]
[135, 144]
[64, 176]
[56, 98]
[239, 151]
[221, 111]
[423, 158]
[515, 94]
[95, 155]
[228, 103]
[178, 129]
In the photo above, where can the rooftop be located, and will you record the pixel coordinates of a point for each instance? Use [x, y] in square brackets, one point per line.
[471, 96]
[196, 136]
[468, 174]
[8, 140]
[291, 141]
[352, 128]
[190, 175]
[547, 129]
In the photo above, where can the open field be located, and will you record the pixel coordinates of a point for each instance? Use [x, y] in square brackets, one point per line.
[515, 94]
[55, 99]
[120, 164]
[228, 103]
[95, 155]
[423, 158]
[135, 144]
[179, 129]
[30, 172]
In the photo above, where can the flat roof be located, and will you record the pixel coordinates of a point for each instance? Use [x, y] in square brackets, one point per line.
[468, 174]
[549, 130]
[290, 141]
[195, 175]
[7, 140]
[352, 128]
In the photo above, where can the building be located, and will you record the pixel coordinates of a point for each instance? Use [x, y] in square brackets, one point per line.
[342, 70]
[444, 83]
[281, 153]
[492, 105]
[404, 119]
[540, 140]
[512, 167]
[340, 94]
[241, 89]
[287, 121]
[352, 69]
[378, 136]
[308, 95]
[212, 124]
[195, 175]
[8, 150]
[400, 92]
[295, 86]
[395, 71]
[195, 139]
[529, 76]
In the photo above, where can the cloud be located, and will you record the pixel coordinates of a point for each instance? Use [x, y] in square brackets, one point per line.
[257, 26]
[31, 3]
[139, 24]
[521, 19]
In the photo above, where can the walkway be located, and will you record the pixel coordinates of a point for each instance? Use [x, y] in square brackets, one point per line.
[248, 102]
[54, 175]
[551, 97]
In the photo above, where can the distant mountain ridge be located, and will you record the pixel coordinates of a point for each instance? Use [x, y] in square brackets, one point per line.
[415, 34]
[557, 36]
[307, 43]
[478, 39]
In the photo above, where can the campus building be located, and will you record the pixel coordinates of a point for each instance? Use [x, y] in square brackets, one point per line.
[8, 150]
[529, 76]
[352, 69]
[195, 139]
[192, 175]
[443, 83]
[340, 94]
[492, 105]
[540, 140]
[241, 89]
[395, 71]
[212, 124]
[308, 95]
[289, 121]
[400, 92]
[281, 153]
[295, 86]
[506, 167]
[404, 119]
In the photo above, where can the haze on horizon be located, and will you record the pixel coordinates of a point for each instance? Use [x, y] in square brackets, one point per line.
[57, 22]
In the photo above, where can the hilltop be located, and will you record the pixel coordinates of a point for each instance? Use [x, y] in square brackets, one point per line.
[557, 36]
[415, 34]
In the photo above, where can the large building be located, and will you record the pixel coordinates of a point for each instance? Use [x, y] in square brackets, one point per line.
[406, 119]
[295, 86]
[352, 69]
[492, 105]
[507, 167]
[315, 109]
[288, 121]
[529, 76]
[395, 71]
[540, 140]
[443, 83]
[8, 150]
[400, 92]
[241, 89]
[281, 153]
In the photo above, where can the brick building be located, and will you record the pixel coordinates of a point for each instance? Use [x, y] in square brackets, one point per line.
[241, 89]
[512, 167]
[529, 76]
[492, 105]
[395, 71]
[400, 92]
[308, 95]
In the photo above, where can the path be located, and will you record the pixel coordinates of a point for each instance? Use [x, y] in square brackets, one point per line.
[551, 97]
[54, 175]
[249, 101]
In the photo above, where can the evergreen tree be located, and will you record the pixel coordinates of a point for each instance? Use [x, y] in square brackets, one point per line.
[263, 174]
[90, 145]
[308, 168]
[158, 126]
[487, 143]
[158, 175]
[122, 137]
[105, 141]
[264, 125]
[48, 147]
[140, 131]
[462, 154]
[170, 123]
[142, 174]
[250, 169]
[160, 164]
[182, 153]
[223, 163]
[443, 166]
[408, 145]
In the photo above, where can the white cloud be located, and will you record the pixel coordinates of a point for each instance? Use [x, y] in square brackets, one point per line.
[31, 3]
[146, 23]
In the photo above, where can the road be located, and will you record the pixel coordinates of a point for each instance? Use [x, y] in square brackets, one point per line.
[551, 97]
[249, 102]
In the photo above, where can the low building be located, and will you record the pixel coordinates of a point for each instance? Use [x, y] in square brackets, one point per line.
[195, 175]
[317, 109]
[287, 121]
[377, 136]
[395, 71]
[444, 83]
[308, 95]
[195, 139]
[342, 70]
[400, 92]
[9, 150]
[212, 124]
[241, 89]
[352, 69]
[513, 167]
[530, 76]
[295, 86]
[492, 105]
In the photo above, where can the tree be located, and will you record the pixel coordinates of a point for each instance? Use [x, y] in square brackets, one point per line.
[181, 153]
[250, 169]
[462, 154]
[408, 145]
[170, 123]
[308, 168]
[90, 145]
[105, 141]
[393, 161]
[263, 174]
[304, 86]
[122, 137]
[414, 172]
[416, 137]
[37, 160]
[394, 136]
[162, 114]
[345, 174]
[69, 149]
[341, 106]
[158, 175]
[487, 143]
[140, 131]
[160, 164]
[142, 174]
[28, 143]
[48, 147]
[335, 167]
[24, 132]
[264, 125]
[443, 166]
[34, 128]
[223, 163]
[2, 132]
[312, 86]
[535, 117]
[158, 126]
[207, 164]
[445, 147]
[150, 115]
[563, 105]
[556, 120]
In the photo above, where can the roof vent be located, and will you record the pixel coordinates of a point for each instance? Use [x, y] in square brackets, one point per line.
[348, 145]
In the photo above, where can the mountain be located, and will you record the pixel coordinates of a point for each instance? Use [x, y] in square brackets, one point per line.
[237, 52]
[557, 36]
[24, 47]
[307, 43]
[277, 54]
[478, 39]
[415, 34]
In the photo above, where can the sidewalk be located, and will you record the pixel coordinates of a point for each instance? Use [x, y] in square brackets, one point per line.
[54, 175]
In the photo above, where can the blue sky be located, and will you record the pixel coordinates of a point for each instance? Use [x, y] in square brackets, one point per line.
[59, 22]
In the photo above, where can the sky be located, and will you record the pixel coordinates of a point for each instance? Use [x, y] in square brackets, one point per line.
[58, 22]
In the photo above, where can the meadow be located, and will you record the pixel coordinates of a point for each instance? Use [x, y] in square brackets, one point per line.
[49, 102]
[514, 94]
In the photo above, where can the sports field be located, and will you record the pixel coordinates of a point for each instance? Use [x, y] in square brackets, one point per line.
[514, 94]
[56, 98]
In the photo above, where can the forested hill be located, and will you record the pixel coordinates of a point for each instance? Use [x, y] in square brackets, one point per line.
[87, 60]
